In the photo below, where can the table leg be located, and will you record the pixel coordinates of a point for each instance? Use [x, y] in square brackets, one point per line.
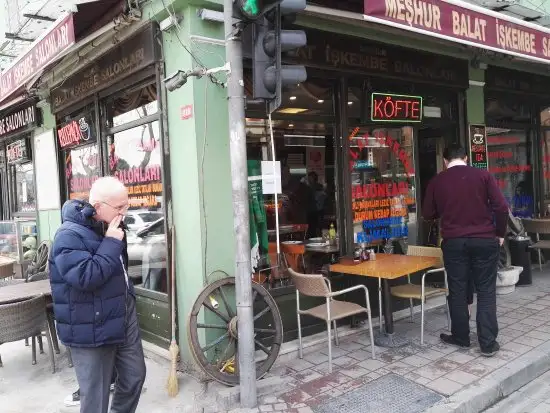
[389, 338]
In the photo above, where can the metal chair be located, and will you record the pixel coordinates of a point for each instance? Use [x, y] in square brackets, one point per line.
[25, 319]
[421, 292]
[315, 285]
[538, 227]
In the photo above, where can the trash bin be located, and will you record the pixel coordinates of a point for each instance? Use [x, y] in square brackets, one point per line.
[521, 256]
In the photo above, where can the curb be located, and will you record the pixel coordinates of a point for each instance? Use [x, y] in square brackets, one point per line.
[492, 388]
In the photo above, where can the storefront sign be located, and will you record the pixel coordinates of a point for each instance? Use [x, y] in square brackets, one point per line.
[42, 52]
[17, 152]
[21, 119]
[478, 146]
[464, 23]
[76, 132]
[130, 56]
[386, 107]
[353, 54]
[507, 80]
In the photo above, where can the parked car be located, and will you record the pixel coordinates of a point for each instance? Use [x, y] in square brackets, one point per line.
[139, 219]
[147, 256]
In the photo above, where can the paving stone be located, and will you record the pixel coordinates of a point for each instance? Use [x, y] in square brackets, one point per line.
[517, 347]
[307, 376]
[352, 346]
[538, 335]
[444, 386]
[336, 352]
[531, 321]
[432, 354]
[279, 407]
[266, 408]
[461, 377]
[430, 372]
[399, 368]
[390, 357]
[305, 410]
[296, 396]
[416, 361]
[372, 365]
[344, 361]
[316, 358]
[529, 341]
[360, 355]
[355, 372]
[459, 358]
[475, 368]
[300, 365]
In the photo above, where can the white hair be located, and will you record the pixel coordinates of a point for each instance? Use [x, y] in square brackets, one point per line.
[104, 188]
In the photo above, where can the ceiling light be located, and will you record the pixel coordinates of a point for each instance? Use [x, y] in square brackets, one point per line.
[292, 111]
[293, 98]
[291, 125]
[320, 101]
[350, 103]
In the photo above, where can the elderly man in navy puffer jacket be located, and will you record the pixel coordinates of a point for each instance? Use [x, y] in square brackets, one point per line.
[94, 301]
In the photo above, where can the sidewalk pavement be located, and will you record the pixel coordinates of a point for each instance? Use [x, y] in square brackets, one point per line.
[28, 388]
[434, 378]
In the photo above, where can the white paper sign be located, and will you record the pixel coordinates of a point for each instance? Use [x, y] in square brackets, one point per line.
[271, 182]
[45, 172]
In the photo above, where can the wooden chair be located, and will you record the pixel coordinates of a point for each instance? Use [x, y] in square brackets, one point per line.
[538, 227]
[315, 285]
[421, 292]
[294, 256]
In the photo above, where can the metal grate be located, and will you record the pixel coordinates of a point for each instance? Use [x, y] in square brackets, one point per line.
[388, 394]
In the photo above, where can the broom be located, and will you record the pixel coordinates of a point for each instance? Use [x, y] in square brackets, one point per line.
[172, 384]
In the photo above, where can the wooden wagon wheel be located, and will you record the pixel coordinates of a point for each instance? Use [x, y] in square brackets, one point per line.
[212, 331]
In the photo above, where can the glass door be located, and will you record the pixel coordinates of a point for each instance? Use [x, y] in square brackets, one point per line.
[383, 184]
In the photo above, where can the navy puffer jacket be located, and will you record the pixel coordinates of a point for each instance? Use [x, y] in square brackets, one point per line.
[87, 278]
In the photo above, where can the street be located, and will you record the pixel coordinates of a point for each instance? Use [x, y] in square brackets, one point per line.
[532, 398]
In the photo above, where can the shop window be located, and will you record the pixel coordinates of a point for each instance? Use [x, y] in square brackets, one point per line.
[135, 158]
[82, 168]
[24, 187]
[307, 202]
[509, 153]
[382, 184]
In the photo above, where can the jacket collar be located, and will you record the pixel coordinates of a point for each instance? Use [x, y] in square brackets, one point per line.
[456, 162]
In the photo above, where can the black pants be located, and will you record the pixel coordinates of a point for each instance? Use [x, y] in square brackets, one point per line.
[474, 259]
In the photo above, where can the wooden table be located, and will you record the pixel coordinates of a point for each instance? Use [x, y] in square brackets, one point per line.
[20, 292]
[387, 267]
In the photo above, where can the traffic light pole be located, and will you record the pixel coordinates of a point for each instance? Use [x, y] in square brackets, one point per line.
[239, 181]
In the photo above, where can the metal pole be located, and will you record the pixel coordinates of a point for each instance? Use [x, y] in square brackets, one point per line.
[239, 183]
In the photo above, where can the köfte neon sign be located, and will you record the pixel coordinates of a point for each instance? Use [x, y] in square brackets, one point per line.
[387, 107]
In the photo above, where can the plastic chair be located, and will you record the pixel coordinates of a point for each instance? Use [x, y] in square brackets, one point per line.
[294, 256]
[315, 285]
[421, 292]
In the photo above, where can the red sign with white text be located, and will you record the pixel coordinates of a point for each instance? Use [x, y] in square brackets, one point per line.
[42, 52]
[186, 112]
[465, 23]
[386, 107]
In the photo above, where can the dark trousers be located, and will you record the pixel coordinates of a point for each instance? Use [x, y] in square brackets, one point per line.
[94, 370]
[474, 259]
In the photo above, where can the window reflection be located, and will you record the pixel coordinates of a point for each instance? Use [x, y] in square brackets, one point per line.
[135, 159]
[81, 170]
[25, 192]
[509, 156]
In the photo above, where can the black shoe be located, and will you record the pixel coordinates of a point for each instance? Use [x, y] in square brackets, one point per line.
[449, 339]
[491, 351]
[73, 399]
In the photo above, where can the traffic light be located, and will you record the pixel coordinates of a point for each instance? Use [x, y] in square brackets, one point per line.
[253, 9]
[270, 76]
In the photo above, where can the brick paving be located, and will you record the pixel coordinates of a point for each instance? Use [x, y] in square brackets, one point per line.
[524, 325]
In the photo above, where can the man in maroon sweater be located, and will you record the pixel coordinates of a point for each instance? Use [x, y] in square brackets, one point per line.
[474, 217]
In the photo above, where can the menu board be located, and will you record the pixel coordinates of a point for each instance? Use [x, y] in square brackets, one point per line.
[478, 146]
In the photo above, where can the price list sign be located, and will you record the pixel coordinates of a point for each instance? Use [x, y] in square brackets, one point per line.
[478, 146]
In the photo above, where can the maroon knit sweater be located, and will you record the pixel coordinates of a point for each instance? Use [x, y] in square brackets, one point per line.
[468, 202]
